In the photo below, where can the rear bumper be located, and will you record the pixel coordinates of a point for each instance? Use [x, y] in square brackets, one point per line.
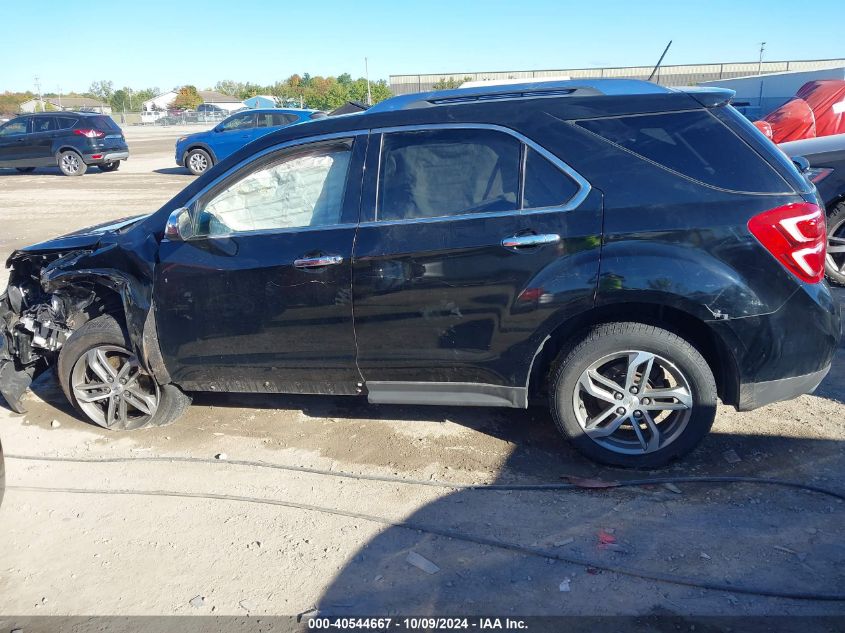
[106, 156]
[758, 394]
[783, 354]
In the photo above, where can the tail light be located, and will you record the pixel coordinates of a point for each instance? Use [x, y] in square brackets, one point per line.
[90, 133]
[796, 235]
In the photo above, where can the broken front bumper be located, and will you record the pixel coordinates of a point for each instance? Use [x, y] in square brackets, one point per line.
[14, 381]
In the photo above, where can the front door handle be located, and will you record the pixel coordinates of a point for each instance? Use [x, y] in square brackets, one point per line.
[527, 241]
[318, 262]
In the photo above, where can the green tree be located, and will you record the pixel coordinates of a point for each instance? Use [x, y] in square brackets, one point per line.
[450, 83]
[187, 98]
[229, 87]
[102, 90]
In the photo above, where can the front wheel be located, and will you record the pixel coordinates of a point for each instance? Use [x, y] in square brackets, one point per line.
[112, 166]
[71, 164]
[105, 381]
[633, 395]
[197, 161]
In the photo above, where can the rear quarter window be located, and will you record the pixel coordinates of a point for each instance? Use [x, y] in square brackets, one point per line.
[695, 144]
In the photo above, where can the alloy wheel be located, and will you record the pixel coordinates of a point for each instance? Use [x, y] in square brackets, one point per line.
[70, 163]
[836, 248]
[113, 390]
[198, 162]
[633, 402]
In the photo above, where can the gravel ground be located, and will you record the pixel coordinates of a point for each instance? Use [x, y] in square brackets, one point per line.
[65, 553]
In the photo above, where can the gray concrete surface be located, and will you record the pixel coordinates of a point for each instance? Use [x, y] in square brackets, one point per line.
[65, 553]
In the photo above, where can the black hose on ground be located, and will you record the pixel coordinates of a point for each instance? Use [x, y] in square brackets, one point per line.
[597, 484]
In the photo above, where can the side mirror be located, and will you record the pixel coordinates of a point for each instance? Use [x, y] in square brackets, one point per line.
[801, 163]
[179, 226]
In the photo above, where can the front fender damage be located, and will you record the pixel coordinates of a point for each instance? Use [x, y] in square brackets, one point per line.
[50, 295]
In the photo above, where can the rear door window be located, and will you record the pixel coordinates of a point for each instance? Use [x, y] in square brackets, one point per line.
[438, 173]
[695, 144]
[43, 124]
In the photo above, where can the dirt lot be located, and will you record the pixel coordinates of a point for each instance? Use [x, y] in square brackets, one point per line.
[64, 553]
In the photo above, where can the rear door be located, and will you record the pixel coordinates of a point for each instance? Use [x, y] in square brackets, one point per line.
[40, 143]
[13, 138]
[267, 122]
[475, 239]
[260, 298]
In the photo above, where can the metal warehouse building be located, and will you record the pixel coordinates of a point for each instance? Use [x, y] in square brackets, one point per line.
[679, 75]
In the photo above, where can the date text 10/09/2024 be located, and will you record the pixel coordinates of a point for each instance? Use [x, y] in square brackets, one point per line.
[416, 624]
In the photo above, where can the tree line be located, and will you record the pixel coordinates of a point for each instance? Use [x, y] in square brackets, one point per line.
[316, 92]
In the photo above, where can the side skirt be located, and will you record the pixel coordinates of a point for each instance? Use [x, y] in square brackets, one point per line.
[460, 394]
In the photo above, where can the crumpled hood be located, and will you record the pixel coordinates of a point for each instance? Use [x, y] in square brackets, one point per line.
[83, 238]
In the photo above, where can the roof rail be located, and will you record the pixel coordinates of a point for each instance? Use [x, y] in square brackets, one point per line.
[528, 90]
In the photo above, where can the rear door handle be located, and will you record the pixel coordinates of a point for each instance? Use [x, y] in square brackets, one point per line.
[318, 262]
[526, 241]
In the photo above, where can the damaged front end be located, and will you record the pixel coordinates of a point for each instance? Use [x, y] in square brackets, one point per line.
[35, 323]
[57, 286]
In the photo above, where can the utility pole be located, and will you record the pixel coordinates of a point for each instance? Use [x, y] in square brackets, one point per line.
[38, 91]
[367, 75]
[59, 88]
[760, 63]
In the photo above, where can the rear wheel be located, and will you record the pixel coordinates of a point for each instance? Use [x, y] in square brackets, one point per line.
[71, 164]
[633, 395]
[104, 380]
[197, 161]
[834, 265]
[112, 166]
[25, 170]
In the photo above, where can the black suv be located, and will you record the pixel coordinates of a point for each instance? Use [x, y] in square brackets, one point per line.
[621, 251]
[71, 140]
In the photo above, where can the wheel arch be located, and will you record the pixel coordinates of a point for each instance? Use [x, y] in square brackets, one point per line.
[697, 332]
[125, 298]
[204, 148]
[66, 148]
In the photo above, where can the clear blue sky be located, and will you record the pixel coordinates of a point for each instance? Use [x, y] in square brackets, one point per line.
[146, 43]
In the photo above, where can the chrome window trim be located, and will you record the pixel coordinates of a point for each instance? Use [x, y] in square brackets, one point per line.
[269, 150]
[574, 202]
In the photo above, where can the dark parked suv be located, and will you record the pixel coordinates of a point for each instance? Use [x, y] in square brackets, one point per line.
[71, 140]
[621, 251]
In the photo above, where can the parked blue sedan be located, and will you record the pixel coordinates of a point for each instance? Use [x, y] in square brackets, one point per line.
[200, 151]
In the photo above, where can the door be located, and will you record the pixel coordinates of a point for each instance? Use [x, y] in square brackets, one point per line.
[233, 133]
[40, 144]
[260, 298]
[473, 242]
[13, 136]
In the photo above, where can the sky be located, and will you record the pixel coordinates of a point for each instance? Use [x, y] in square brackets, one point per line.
[149, 43]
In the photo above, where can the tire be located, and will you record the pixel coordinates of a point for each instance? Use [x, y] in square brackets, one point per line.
[164, 403]
[579, 401]
[834, 265]
[25, 170]
[198, 161]
[71, 164]
[112, 166]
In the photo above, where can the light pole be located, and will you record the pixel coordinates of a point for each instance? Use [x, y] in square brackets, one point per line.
[760, 63]
[367, 75]
[38, 90]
